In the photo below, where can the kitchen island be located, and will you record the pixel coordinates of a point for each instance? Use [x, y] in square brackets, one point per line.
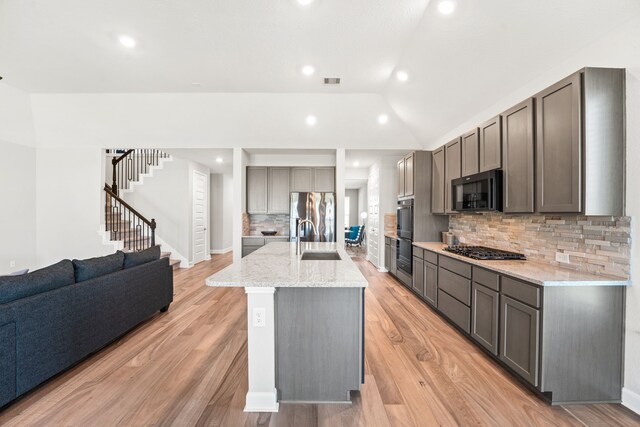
[305, 323]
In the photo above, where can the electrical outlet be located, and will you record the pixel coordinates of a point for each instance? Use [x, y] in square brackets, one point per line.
[259, 317]
[562, 257]
[12, 264]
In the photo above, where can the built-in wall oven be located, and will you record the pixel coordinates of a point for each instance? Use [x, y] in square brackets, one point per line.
[404, 254]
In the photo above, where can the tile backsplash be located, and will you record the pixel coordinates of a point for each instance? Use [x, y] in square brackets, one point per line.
[595, 244]
[278, 222]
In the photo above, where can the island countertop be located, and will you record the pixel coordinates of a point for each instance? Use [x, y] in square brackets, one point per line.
[532, 271]
[277, 265]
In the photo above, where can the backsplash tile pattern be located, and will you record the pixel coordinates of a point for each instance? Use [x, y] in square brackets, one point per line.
[595, 244]
[278, 222]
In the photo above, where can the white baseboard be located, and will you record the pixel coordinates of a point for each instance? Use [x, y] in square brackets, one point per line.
[262, 401]
[382, 270]
[220, 251]
[631, 400]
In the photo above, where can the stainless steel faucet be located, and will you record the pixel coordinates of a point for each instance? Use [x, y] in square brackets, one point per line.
[299, 224]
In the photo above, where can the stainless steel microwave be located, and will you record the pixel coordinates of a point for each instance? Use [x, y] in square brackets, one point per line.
[481, 192]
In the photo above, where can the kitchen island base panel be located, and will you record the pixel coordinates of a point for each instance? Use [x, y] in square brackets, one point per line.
[319, 343]
[262, 395]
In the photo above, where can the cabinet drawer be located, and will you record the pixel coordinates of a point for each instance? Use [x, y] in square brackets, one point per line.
[387, 240]
[253, 241]
[418, 252]
[432, 257]
[457, 312]
[458, 267]
[487, 278]
[521, 291]
[456, 286]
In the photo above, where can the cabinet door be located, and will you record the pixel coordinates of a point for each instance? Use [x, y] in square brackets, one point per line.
[559, 147]
[387, 257]
[437, 181]
[408, 175]
[325, 180]
[517, 158]
[470, 153]
[484, 317]
[394, 254]
[453, 154]
[401, 176]
[301, 180]
[418, 276]
[257, 179]
[431, 283]
[519, 338]
[490, 145]
[278, 195]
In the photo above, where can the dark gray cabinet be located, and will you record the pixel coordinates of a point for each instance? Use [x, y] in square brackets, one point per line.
[257, 179]
[394, 253]
[558, 147]
[518, 158]
[437, 181]
[418, 276]
[484, 317]
[278, 194]
[387, 254]
[431, 283]
[519, 338]
[470, 153]
[401, 175]
[490, 143]
[409, 175]
[452, 170]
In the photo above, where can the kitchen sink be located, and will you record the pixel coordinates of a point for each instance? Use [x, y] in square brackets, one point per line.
[321, 256]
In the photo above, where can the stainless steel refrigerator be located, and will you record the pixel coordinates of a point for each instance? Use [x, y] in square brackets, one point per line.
[319, 208]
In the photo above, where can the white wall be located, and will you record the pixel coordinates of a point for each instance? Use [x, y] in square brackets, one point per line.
[221, 202]
[353, 207]
[362, 204]
[17, 181]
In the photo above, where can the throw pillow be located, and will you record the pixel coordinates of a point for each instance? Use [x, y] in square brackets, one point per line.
[46, 279]
[91, 268]
[132, 259]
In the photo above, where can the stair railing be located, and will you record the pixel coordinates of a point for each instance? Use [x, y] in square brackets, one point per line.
[125, 223]
[131, 164]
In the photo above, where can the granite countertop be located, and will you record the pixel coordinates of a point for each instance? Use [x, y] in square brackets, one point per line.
[277, 265]
[533, 271]
[279, 236]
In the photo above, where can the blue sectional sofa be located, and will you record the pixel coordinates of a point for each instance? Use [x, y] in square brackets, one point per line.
[54, 317]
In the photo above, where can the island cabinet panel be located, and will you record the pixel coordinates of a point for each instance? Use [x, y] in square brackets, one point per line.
[431, 283]
[453, 155]
[484, 317]
[437, 181]
[418, 276]
[301, 180]
[278, 191]
[324, 180]
[518, 158]
[257, 179]
[470, 153]
[490, 140]
[519, 338]
[319, 343]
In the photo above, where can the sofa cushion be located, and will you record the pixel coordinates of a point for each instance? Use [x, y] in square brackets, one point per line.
[353, 235]
[46, 279]
[131, 259]
[87, 269]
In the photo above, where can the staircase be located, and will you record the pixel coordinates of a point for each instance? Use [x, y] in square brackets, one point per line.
[122, 222]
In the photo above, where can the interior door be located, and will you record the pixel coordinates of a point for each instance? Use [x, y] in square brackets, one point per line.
[200, 208]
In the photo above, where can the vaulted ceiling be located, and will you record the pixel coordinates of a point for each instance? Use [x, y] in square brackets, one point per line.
[457, 64]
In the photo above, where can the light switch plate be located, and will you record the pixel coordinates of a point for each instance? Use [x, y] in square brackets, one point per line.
[259, 317]
[562, 257]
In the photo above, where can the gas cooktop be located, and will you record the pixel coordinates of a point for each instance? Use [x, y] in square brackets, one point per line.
[484, 253]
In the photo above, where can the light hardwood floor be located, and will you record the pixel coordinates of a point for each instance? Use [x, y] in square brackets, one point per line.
[189, 367]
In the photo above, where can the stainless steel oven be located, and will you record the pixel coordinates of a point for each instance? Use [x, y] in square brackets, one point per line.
[404, 255]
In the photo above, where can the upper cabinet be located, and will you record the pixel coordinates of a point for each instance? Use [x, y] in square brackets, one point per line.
[324, 180]
[580, 144]
[278, 195]
[490, 142]
[257, 179]
[470, 153]
[452, 170]
[301, 180]
[518, 159]
[406, 177]
[310, 179]
[437, 181]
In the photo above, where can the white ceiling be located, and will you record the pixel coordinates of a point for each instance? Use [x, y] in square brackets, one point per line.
[206, 157]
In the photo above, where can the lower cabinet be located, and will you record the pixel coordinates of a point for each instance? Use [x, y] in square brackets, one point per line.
[485, 310]
[519, 338]
[431, 283]
[252, 244]
[456, 311]
[387, 254]
[418, 276]
[394, 254]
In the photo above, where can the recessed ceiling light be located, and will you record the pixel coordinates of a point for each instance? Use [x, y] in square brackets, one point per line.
[219, 159]
[356, 164]
[308, 70]
[127, 41]
[311, 120]
[402, 75]
[446, 7]
[383, 119]
[305, 2]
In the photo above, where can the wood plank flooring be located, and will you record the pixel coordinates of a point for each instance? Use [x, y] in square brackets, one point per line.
[188, 367]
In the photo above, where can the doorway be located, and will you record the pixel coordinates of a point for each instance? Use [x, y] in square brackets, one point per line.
[200, 203]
